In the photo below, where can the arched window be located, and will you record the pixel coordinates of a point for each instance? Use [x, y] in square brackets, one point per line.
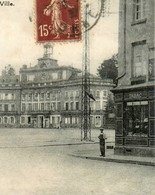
[12, 120]
[5, 120]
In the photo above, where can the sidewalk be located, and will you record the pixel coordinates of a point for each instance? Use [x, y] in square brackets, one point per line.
[92, 152]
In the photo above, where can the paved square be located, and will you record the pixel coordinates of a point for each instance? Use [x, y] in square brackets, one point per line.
[31, 165]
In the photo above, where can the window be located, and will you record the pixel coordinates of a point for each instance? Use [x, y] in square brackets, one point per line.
[12, 107]
[77, 93]
[71, 94]
[36, 96]
[98, 94]
[12, 96]
[139, 59]
[53, 106]
[66, 106]
[53, 119]
[5, 120]
[48, 107]
[12, 120]
[30, 97]
[36, 107]
[6, 96]
[1, 107]
[98, 105]
[104, 93]
[55, 76]
[60, 75]
[73, 120]
[77, 105]
[151, 69]
[29, 120]
[31, 77]
[23, 96]
[23, 107]
[66, 94]
[9, 96]
[6, 107]
[72, 106]
[76, 120]
[104, 104]
[139, 9]
[42, 96]
[30, 107]
[58, 106]
[66, 120]
[53, 95]
[136, 119]
[47, 95]
[22, 119]
[58, 94]
[42, 106]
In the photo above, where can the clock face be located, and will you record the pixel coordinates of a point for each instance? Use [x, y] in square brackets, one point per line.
[43, 65]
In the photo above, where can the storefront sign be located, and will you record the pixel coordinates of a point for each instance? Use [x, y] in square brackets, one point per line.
[135, 95]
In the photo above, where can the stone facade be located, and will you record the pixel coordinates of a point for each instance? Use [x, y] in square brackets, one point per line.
[49, 96]
[134, 95]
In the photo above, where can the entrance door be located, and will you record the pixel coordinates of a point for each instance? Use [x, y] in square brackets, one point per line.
[46, 123]
[41, 121]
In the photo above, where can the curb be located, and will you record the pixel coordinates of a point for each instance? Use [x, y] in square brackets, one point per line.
[117, 160]
[47, 145]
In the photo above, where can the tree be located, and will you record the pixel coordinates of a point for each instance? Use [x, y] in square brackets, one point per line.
[9, 70]
[108, 69]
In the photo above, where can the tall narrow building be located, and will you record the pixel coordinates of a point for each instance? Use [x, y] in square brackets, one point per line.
[134, 95]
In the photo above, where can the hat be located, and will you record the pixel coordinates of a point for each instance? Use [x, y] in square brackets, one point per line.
[101, 129]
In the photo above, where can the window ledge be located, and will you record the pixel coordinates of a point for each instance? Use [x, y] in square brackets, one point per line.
[138, 80]
[139, 22]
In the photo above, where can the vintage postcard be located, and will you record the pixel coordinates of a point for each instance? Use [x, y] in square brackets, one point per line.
[77, 97]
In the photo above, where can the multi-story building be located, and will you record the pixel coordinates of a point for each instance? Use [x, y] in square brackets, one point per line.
[134, 95]
[9, 98]
[49, 95]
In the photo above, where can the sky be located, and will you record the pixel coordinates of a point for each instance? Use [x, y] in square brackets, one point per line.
[18, 43]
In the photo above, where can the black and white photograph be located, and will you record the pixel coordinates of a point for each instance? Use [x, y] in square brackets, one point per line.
[77, 97]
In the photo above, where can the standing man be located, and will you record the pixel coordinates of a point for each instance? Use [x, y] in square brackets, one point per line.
[102, 138]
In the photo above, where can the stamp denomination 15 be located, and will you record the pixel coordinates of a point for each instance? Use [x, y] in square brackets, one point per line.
[58, 20]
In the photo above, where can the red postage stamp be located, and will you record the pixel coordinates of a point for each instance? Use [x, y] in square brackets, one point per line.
[58, 20]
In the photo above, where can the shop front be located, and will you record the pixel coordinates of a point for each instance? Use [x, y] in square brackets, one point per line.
[135, 119]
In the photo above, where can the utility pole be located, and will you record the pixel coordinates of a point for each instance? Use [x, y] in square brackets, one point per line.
[85, 99]
[85, 120]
